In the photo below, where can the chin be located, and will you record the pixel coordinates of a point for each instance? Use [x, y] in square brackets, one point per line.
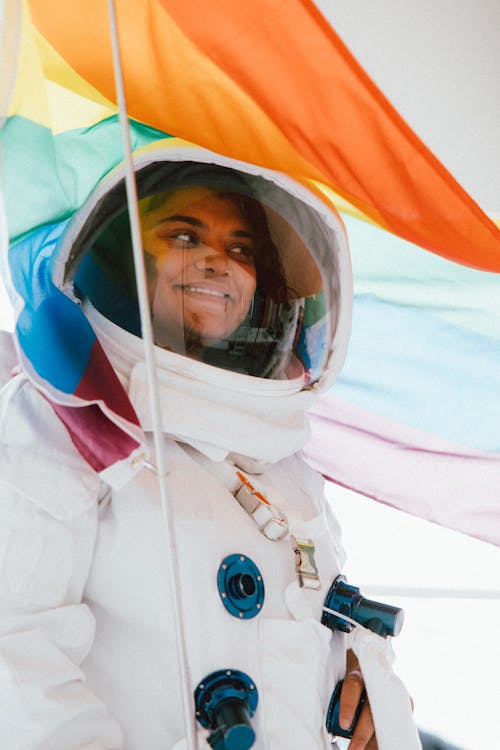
[210, 339]
[212, 334]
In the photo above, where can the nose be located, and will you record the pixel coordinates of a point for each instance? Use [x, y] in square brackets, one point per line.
[213, 262]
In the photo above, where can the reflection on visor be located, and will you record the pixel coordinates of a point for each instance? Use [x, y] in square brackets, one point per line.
[230, 281]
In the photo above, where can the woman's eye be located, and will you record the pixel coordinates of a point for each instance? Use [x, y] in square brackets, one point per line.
[184, 238]
[242, 253]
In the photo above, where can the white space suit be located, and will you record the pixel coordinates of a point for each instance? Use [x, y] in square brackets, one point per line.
[87, 653]
[105, 609]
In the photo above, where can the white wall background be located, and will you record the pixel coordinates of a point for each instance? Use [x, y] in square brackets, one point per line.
[448, 651]
[438, 62]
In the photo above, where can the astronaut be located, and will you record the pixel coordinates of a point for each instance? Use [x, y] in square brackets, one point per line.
[250, 296]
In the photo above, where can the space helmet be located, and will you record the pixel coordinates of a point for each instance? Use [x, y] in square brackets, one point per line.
[247, 270]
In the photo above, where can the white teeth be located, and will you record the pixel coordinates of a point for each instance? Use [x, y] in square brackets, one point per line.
[201, 290]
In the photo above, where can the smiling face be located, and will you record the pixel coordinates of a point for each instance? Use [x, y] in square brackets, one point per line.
[204, 273]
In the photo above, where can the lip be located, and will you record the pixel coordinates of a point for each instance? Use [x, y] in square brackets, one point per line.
[208, 291]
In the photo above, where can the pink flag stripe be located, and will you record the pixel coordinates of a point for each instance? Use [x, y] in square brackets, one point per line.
[99, 381]
[98, 440]
[406, 468]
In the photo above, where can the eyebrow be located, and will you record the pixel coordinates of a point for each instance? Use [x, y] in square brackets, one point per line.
[194, 222]
[186, 219]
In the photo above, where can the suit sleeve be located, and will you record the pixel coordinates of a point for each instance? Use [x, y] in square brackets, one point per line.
[48, 524]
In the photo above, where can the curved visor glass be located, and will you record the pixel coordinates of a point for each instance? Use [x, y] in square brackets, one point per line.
[231, 282]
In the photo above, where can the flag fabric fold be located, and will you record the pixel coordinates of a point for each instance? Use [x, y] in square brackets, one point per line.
[413, 418]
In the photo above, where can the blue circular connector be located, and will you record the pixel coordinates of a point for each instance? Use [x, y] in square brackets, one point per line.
[378, 617]
[225, 701]
[241, 586]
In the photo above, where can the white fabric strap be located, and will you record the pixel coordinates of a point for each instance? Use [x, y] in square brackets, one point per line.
[389, 700]
[270, 520]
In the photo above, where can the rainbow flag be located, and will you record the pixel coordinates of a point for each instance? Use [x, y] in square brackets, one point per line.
[413, 419]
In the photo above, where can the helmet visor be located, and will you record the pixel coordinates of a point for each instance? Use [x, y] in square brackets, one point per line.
[231, 281]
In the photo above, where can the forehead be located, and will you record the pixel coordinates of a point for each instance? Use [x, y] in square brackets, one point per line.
[191, 200]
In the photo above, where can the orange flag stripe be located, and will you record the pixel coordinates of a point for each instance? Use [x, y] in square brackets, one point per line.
[340, 121]
[170, 84]
[278, 88]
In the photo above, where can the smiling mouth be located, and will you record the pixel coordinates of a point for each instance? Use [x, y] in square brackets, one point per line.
[193, 289]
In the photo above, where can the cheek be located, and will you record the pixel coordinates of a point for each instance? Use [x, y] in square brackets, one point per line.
[169, 268]
[164, 298]
[248, 283]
